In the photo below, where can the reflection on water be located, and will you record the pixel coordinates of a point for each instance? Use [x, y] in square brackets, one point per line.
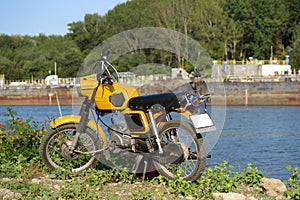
[266, 136]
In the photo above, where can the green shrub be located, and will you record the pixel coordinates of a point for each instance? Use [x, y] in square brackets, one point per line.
[19, 143]
[220, 178]
[20, 137]
[249, 176]
[293, 183]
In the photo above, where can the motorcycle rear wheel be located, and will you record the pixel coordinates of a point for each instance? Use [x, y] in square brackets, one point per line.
[184, 140]
[55, 153]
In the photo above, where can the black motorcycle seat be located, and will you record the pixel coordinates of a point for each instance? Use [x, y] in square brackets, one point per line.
[166, 101]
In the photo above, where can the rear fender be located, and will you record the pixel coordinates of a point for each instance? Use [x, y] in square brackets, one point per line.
[75, 119]
[200, 128]
[186, 114]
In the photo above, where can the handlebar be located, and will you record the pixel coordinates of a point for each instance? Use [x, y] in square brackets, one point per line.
[204, 97]
[201, 98]
[192, 100]
[106, 71]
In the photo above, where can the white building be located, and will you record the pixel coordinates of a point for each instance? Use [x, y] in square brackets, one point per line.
[51, 80]
[275, 70]
[258, 69]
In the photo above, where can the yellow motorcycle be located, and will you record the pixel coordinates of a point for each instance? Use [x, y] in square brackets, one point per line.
[148, 128]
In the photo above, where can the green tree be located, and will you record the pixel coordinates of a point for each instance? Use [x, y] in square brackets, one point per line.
[25, 57]
[207, 17]
[227, 29]
[295, 50]
[87, 34]
[129, 15]
[291, 16]
[260, 21]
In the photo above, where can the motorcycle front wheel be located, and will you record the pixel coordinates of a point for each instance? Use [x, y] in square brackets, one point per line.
[55, 149]
[184, 153]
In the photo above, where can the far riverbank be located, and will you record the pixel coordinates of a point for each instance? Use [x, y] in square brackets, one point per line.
[236, 93]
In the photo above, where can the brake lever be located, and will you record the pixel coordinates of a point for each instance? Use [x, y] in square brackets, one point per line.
[205, 96]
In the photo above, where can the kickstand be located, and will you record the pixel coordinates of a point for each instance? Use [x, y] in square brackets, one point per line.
[140, 165]
[136, 166]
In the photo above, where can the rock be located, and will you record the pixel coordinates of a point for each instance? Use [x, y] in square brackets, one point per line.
[273, 187]
[5, 179]
[36, 180]
[190, 198]
[7, 194]
[231, 196]
[251, 198]
[228, 196]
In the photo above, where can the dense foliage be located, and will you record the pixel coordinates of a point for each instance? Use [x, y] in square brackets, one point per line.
[227, 29]
[22, 172]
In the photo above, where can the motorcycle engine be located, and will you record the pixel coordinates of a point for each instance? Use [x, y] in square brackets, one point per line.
[143, 145]
[118, 137]
[121, 140]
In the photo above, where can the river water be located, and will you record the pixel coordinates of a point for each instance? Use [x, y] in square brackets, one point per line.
[266, 136]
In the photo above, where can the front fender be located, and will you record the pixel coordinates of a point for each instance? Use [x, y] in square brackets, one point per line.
[75, 119]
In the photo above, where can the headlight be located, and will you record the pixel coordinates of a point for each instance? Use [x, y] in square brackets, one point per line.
[85, 85]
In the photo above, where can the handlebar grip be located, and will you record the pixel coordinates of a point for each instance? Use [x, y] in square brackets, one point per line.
[109, 81]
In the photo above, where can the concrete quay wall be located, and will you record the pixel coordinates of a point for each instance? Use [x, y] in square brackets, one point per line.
[38, 97]
[237, 93]
[256, 93]
[248, 93]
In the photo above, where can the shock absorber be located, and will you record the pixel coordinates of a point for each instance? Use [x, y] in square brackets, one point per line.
[154, 129]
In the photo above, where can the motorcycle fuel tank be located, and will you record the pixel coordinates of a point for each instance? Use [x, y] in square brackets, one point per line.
[114, 96]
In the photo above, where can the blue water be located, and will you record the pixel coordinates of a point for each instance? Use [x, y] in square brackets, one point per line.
[266, 136]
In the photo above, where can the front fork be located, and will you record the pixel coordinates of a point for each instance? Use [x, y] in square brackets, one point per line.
[84, 113]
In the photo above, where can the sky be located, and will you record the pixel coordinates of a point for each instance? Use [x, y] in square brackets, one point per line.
[32, 17]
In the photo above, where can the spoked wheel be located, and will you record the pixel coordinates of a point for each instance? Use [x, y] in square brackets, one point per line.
[184, 154]
[56, 153]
